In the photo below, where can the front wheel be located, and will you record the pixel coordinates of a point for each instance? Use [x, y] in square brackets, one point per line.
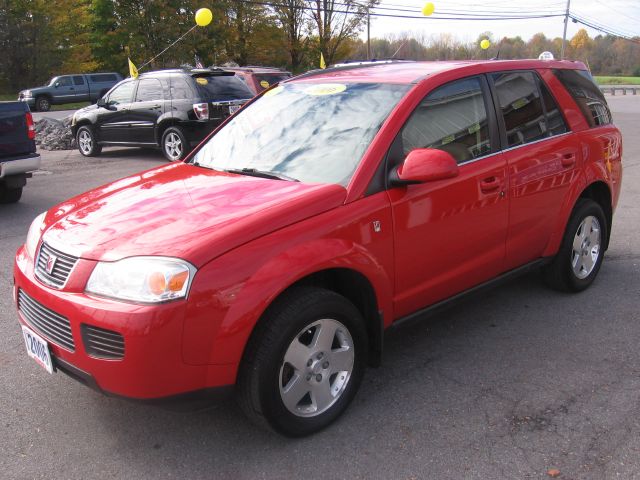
[174, 144]
[304, 363]
[43, 104]
[578, 261]
[87, 144]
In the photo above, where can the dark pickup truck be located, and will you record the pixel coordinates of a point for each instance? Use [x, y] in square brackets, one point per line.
[18, 157]
[69, 89]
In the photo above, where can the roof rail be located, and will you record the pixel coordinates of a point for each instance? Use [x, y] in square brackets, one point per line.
[350, 66]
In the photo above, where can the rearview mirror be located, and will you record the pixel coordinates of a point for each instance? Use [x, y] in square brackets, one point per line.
[424, 165]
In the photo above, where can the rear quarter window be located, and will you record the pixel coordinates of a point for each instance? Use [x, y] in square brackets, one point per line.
[585, 92]
[222, 88]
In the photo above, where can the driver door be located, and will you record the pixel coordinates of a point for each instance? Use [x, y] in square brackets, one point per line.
[113, 124]
[450, 234]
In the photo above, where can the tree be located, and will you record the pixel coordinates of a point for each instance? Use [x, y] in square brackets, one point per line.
[292, 19]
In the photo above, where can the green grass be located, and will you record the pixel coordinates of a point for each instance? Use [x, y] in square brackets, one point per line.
[7, 97]
[610, 80]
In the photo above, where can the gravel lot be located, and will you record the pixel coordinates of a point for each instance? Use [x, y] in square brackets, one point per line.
[510, 385]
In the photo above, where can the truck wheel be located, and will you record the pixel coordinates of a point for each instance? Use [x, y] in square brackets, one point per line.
[174, 144]
[10, 195]
[87, 143]
[43, 104]
[304, 362]
[578, 261]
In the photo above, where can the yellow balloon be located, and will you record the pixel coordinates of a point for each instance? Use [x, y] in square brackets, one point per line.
[203, 17]
[484, 44]
[428, 9]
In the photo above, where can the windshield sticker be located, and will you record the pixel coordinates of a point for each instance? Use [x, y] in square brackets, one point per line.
[202, 81]
[264, 84]
[325, 89]
[273, 91]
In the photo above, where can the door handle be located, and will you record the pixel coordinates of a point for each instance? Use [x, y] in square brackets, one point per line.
[568, 160]
[490, 184]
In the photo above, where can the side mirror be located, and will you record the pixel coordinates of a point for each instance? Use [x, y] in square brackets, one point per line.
[425, 165]
[101, 102]
[56, 85]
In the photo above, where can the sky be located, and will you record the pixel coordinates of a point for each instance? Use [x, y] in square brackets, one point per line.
[620, 15]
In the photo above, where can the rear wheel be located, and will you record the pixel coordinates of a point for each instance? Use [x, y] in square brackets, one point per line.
[578, 261]
[43, 104]
[87, 143]
[304, 363]
[174, 144]
[10, 195]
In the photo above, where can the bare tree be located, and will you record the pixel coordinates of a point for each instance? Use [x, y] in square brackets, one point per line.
[291, 16]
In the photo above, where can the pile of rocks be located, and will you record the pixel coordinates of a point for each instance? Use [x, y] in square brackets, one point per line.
[54, 134]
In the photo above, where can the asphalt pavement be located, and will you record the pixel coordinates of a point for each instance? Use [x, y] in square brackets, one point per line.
[510, 385]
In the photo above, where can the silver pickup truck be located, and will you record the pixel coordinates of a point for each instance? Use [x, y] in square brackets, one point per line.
[69, 89]
[18, 157]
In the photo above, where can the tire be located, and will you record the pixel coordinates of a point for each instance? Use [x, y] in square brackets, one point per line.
[304, 362]
[10, 195]
[174, 144]
[578, 261]
[86, 141]
[43, 104]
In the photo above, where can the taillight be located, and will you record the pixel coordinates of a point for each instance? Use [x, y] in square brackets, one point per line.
[201, 110]
[31, 128]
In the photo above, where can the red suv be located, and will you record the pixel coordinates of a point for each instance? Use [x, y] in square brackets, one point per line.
[330, 208]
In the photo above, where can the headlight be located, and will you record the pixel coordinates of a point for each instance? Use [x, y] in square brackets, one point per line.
[33, 237]
[27, 93]
[142, 279]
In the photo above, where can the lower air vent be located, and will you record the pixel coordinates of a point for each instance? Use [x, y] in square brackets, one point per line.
[53, 326]
[102, 343]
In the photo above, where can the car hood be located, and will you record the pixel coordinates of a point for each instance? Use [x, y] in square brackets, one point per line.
[181, 210]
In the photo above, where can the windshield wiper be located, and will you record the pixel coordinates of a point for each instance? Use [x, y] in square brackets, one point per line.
[252, 172]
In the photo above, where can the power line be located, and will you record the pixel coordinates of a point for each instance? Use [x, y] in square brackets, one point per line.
[602, 28]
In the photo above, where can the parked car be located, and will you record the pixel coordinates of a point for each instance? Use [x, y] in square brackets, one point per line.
[337, 205]
[170, 109]
[18, 157]
[259, 78]
[69, 89]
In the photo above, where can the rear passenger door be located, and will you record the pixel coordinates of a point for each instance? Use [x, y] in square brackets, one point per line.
[541, 157]
[145, 110]
[81, 88]
[450, 234]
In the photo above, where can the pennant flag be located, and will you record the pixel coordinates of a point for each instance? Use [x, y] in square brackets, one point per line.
[197, 61]
[133, 71]
[322, 64]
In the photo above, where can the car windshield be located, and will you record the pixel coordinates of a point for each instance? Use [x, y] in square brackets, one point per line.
[312, 132]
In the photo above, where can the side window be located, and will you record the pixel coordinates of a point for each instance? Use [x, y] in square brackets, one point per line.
[65, 82]
[78, 80]
[587, 95]
[121, 94]
[555, 121]
[521, 107]
[452, 118]
[149, 89]
[180, 89]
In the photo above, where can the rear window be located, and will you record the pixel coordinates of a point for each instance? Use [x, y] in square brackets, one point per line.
[265, 80]
[103, 77]
[222, 88]
[580, 84]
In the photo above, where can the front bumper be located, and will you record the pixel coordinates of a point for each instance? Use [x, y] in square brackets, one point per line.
[31, 101]
[152, 366]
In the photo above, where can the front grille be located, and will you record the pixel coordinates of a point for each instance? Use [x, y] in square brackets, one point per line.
[61, 264]
[102, 343]
[51, 325]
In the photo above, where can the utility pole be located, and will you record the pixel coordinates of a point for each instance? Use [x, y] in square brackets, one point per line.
[368, 33]
[564, 34]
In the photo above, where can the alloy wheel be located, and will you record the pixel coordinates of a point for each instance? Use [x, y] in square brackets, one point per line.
[586, 247]
[85, 142]
[173, 146]
[316, 368]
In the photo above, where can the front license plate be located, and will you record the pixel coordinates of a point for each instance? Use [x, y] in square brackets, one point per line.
[233, 109]
[37, 348]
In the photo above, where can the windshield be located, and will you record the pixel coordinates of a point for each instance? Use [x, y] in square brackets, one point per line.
[308, 131]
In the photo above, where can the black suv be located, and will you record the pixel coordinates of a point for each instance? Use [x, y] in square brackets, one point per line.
[170, 109]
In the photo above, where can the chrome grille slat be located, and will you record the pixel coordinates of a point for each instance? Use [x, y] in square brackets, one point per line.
[61, 270]
[51, 325]
[102, 343]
